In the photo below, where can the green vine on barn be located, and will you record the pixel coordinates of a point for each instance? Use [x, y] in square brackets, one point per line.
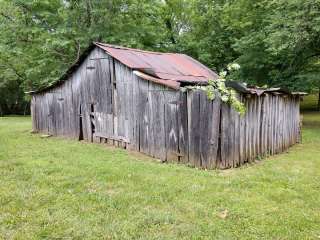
[227, 95]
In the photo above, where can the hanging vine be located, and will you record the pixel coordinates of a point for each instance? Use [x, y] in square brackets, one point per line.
[227, 95]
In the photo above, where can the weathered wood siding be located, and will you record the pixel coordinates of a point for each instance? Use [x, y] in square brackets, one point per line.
[104, 101]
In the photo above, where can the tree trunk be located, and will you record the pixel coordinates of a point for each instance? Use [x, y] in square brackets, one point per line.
[319, 100]
[170, 28]
[89, 18]
[25, 109]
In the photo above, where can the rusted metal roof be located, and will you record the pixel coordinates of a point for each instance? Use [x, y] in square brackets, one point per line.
[249, 89]
[166, 67]
[169, 69]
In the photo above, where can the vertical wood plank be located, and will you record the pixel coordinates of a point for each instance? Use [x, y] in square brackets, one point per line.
[144, 116]
[183, 128]
[193, 127]
[171, 124]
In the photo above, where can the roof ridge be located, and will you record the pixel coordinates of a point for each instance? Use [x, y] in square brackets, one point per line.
[133, 49]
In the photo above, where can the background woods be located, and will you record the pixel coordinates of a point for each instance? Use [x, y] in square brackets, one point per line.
[276, 42]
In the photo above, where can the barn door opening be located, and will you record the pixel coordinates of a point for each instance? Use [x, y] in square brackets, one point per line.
[92, 122]
[80, 124]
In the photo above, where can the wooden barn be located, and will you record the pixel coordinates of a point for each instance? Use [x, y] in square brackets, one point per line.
[137, 100]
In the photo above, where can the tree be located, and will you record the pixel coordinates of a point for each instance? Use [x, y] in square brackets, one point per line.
[276, 42]
[280, 46]
[41, 39]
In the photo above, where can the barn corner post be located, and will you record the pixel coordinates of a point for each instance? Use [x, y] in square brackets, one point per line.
[33, 114]
[134, 99]
[299, 117]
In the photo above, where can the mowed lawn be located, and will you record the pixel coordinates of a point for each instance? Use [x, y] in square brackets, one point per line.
[53, 188]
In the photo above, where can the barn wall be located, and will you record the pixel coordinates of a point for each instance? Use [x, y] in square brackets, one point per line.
[103, 101]
[270, 126]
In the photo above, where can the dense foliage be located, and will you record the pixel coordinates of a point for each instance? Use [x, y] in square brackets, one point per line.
[276, 42]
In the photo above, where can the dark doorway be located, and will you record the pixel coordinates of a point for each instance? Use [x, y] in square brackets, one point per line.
[80, 125]
[92, 121]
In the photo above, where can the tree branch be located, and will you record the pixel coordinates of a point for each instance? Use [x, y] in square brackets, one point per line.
[7, 16]
[20, 76]
[28, 9]
[78, 48]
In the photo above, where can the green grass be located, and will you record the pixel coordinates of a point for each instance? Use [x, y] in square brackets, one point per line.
[62, 189]
[310, 102]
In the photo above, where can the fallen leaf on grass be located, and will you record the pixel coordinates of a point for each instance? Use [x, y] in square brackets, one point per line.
[223, 214]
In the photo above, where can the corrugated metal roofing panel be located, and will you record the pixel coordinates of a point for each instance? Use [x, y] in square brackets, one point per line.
[244, 88]
[169, 69]
[169, 83]
[165, 66]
